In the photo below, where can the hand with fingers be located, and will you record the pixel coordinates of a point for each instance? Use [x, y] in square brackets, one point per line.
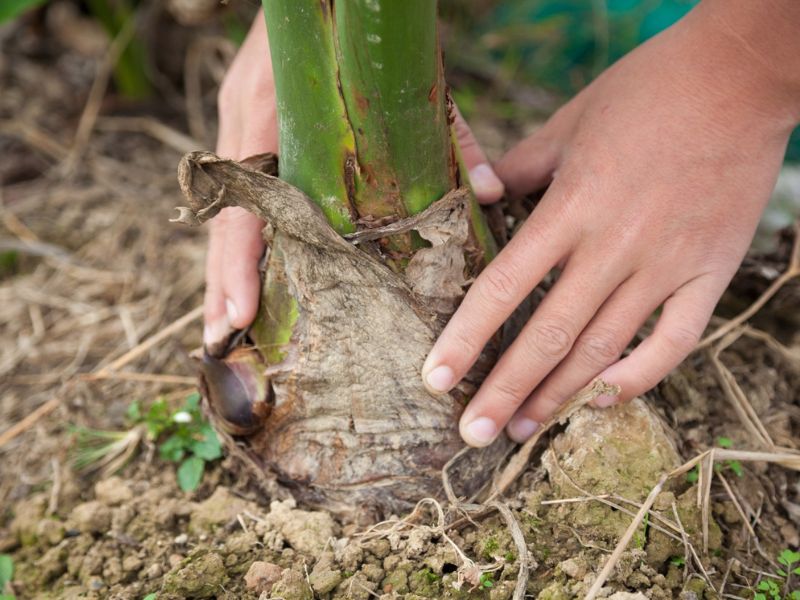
[248, 126]
[657, 173]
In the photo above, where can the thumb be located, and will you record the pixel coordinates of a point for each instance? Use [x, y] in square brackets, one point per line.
[485, 183]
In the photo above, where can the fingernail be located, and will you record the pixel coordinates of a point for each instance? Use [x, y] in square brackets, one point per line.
[216, 331]
[605, 401]
[230, 307]
[440, 379]
[485, 183]
[520, 430]
[479, 432]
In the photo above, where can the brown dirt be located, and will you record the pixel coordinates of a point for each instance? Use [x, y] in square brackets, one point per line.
[99, 269]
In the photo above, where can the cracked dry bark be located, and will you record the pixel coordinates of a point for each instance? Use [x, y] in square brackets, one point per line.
[344, 417]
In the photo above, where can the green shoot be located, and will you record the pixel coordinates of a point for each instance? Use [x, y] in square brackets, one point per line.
[678, 561]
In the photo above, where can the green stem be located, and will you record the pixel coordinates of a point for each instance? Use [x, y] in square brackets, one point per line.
[317, 148]
[393, 86]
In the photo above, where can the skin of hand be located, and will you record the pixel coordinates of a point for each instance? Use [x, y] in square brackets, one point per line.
[248, 125]
[658, 172]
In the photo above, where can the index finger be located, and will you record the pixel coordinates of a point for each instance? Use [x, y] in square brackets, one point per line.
[499, 289]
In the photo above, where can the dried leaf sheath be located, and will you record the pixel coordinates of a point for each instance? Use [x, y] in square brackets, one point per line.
[350, 423]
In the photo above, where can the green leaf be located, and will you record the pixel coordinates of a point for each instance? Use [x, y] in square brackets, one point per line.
[795, 595]
[173, 448]
[736, 467]
[12, 8]
[759, 596]
[796, 571]
[192, 403]
[725, 442]
[190, 473]
[6, 570]
[781, 572]
[134, 412]
[788, 557]
[152, 596]
[208, 447]
[693, 475]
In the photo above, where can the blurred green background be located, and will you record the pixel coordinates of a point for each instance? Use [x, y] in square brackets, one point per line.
[558, 45]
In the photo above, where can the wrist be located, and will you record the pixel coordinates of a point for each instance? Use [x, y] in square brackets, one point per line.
[755, 45]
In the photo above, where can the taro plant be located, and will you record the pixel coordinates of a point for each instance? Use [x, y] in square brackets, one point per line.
[373, 236]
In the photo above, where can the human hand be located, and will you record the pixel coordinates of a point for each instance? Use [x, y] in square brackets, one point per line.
[247, 126]
[658, 173]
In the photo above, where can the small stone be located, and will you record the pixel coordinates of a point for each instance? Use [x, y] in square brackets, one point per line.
[92, 517]
[154, 571]
[292, 586]
[627, 596]
[121, 517]
[372, 572]
[112, 491]
[174, 560]
[325, 581]
[50, 531]
[217, 510]
[132, 564]
[27, 514]
[308, 532]
[379, 548]
[96, 584]
[574, 567]
[181, 539]
[202, 577]
[261, 576]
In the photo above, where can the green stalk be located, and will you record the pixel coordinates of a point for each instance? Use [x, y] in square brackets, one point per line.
[317, 148]
[393, 86]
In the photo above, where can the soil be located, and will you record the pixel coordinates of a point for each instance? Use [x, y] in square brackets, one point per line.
[96, 269]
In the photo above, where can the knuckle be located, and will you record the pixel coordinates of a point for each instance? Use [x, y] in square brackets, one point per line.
[599, 348]
[498, 285]
[550, 339]
[680, 340]
[466, 343]
[508, 393]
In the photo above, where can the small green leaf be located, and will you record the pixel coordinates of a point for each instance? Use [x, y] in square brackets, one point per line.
[173, 448]
[759, 596]
[134, 412]
[781, 572]
[208, 447]
[693, 475]
[12, 8]
[192, 403]
[736, 467]
[678, 561]
[725, 442]
[190, 473]
[6, 570]
[788, 557]
[152, 596]
[795, 595]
